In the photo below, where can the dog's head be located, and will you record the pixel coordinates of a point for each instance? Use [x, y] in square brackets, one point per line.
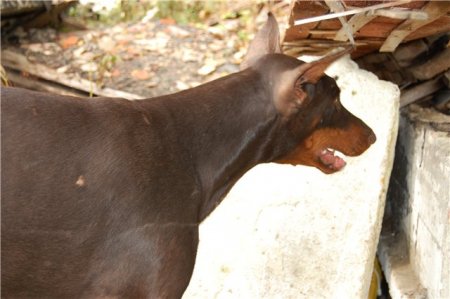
[308, 103]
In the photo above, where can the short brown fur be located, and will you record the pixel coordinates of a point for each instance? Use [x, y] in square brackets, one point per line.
[102, 198]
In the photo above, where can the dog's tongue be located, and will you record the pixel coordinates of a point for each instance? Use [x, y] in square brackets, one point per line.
[328, 158]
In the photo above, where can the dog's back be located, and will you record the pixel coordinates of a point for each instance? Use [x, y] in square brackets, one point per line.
[78, 172]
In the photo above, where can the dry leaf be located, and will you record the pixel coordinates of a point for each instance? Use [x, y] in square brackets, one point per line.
[77, 52]
[178, 32]
[69, 41]
[167, 21]
[62, 69]
[157, 43]
[189, 55]
[89, 67]
[152, 83]
[140, 74]
[115, 73]
[106, 44]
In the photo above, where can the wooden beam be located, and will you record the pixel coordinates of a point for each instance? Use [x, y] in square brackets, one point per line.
[439, 26]
[420, 91]
[359, 20]
[355, 23]
[348, 12]
[19, 62]
[434, 9]
[336, 6]
[437, 64]
[405, 53]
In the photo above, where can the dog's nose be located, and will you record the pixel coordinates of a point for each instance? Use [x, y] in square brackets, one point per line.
[372, 138]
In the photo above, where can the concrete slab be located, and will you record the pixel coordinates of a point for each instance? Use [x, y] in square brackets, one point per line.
[294, 232]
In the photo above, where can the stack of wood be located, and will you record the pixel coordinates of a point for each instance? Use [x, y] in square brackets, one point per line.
[420, 68]
[405, 42]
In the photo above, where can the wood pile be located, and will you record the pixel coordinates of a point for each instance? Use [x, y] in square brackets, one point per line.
[405, 42]
[420, 68]
[31, 13]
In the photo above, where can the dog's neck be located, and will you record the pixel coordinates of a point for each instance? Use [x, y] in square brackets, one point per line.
[228, 128]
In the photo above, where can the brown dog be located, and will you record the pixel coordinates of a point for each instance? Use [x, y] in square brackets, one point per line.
[102, 198]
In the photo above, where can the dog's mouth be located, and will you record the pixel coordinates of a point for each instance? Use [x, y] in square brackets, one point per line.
[330, 160]
[325, 149]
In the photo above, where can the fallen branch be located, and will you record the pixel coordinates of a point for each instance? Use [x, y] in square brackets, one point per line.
[19, 80]
[19, 62]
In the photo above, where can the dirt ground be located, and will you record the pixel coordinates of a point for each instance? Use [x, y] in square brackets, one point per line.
[147, 58]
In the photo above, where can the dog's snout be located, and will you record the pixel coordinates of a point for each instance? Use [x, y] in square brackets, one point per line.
[372, 137]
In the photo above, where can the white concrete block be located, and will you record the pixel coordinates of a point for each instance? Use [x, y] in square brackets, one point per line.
[427, 260]
[424, 215]
[294, 232]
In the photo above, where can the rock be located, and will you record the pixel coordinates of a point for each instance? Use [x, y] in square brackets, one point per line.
[89, 67]
[180, 85]
[294, 232]
[209, 67]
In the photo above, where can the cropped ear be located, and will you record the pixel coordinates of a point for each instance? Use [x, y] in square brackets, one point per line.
[313, 71]
[266, 41]
[305, 73]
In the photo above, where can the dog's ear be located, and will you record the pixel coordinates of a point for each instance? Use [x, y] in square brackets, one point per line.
[313, 71]
[292, 81]
[266, 41]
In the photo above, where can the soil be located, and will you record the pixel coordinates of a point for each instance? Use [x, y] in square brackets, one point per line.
[145, 58]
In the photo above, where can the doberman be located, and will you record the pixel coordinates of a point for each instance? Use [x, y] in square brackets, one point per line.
[102, 197]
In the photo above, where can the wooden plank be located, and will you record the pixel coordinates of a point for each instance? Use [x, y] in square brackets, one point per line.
[347, 12]
[336, 6]
[297, 32]
[405, 53]
[437, 64]
[324, 32]
[416, 4]
[307, 9]
[435, 10]
[395, 13]
[419, 91]
[355, 23]
[332, 24]
[360, 20]
[301, 10]
[19, 62]
[439, 26]
[446, 78]
[380, 27]
[363, 46]
[318, 42]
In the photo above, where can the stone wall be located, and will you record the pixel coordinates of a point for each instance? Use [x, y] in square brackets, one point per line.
[416, 228]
